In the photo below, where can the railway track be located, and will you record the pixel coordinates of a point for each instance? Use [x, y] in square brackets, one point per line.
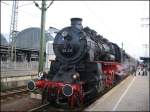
[12, 92]
[59, 108]
[54, 107]
[40, 108]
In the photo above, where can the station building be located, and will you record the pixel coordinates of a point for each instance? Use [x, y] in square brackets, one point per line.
[28, 45]
[3, 48]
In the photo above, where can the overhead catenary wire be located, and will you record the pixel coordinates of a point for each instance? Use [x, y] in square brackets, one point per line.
[95, 16]
[145, 24]
[5, 3]
[23, 5]
[50, 4]
[26, 4]
[37, 5]
[18, 6]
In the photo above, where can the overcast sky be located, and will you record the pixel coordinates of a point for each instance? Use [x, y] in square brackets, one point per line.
[118, 21]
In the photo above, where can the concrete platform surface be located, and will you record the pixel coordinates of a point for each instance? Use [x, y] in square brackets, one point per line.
[132, 94]
[13, 73]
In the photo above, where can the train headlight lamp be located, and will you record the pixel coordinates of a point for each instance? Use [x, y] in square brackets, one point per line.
[75, 76]
[40, 74]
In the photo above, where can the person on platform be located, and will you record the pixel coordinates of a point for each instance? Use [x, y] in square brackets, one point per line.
[139, 70]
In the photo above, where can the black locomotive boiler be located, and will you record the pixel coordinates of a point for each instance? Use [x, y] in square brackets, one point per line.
[85, 64]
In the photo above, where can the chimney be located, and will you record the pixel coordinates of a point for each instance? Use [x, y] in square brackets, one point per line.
[77, 23]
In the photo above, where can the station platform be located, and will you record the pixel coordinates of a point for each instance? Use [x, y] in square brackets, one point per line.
[18, 72]
[132, 94]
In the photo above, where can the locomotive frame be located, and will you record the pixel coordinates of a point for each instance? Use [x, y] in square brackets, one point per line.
[85, 65]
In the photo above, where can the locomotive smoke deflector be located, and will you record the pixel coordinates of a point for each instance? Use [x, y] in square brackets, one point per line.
[77, 23]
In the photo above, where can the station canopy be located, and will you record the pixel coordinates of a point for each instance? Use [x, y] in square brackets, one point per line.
[145, 58]
[30, 38]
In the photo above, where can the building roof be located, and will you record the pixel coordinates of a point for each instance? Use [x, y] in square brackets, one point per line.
[3, 40]
[30, 38]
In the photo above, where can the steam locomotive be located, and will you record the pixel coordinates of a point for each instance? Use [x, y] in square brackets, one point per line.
[85, 65]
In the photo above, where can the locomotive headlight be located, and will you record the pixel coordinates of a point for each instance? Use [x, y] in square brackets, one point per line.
[64, 33]
[75, 76]
[40, 74]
